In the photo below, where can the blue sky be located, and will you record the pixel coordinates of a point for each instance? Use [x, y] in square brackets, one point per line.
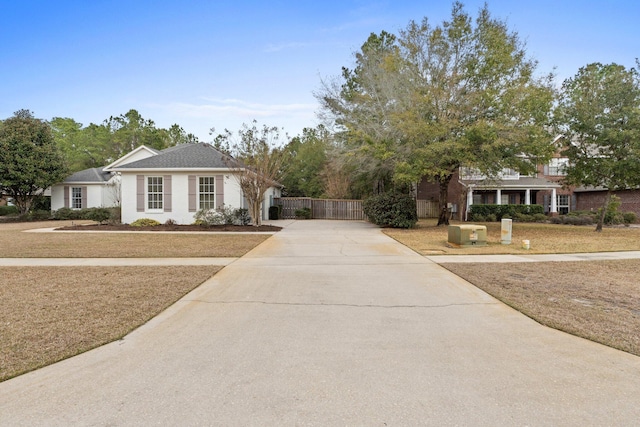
[219, 64]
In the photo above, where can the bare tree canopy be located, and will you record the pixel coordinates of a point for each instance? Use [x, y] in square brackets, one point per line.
[257, 158]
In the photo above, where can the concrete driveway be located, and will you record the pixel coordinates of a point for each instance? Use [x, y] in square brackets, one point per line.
[333, 323]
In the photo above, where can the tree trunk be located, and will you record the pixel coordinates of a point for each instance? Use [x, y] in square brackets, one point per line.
[254, 206]
[603, 212]
[22, 202]
[443, 182]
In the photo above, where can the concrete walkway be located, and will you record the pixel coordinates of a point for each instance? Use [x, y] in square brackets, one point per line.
[333, 323]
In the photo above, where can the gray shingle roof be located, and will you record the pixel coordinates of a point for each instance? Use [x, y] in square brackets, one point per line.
[182, 156]
[89, 175]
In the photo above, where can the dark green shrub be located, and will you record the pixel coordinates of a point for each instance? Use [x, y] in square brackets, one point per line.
[8, 210]
[539, 217]
[630, 217]
[391, 210]
[68, 213]
[35, 216]
[145, 222]
[505, 211]
[572, 219]
[99, 215]
[520, 217]
[303, 213]
[41, 203]
[491, 218]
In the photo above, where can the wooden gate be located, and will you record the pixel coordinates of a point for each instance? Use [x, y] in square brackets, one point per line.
[340, 209]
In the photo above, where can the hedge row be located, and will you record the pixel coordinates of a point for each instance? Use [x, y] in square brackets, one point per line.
[95, 214]
[487, 212]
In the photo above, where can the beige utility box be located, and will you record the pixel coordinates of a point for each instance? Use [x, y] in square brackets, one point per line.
[467, 235]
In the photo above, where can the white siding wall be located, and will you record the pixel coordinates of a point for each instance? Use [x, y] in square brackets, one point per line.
[98, 195]
[57, 197]
[179, 194]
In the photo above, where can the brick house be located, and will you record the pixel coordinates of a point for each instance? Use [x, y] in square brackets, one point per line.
[591, 199]
[468, 187]
[544, 188]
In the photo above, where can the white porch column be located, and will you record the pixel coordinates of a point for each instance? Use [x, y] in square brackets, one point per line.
[469, 202]
[527, 197]
[554, 207]
[498, 196]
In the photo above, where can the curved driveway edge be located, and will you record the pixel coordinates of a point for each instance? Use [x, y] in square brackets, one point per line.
[334, 323]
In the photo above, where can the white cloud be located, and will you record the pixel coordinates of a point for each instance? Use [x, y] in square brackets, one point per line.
[232, 113]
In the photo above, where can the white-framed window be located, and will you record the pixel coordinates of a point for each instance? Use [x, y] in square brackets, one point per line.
[562, 203]
[558, 166]
[154, 193]
[206, 192]
[507, 173]
[76, 197]
[475, 174]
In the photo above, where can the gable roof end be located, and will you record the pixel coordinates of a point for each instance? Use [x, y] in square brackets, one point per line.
[142, 150]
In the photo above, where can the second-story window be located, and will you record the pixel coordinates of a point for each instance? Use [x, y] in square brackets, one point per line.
[558, 166]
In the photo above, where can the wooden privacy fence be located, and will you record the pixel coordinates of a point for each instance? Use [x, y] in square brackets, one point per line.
[340, 209]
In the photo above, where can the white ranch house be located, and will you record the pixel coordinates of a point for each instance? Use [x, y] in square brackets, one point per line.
[172, 184]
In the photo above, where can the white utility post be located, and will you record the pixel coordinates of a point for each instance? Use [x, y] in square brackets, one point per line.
[505, 232]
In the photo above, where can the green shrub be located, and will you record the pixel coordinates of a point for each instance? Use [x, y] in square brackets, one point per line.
[391, 210]
[505, 211]
[145, 222]
[41, 203]
[68, 213]
[99, 215]
[630, 217]
[491, 218]
[303, 213]
[35, 216]
[572, 219]
[539, 217]
[8, 210]
[520, 217]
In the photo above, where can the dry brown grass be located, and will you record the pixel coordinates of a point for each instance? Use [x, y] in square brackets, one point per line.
[427, 239]
[597, 300]
[15, 243]
[51, 313]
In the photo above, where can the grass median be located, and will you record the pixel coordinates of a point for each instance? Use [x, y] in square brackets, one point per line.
[15, 242]
[427, 239]
[51, 313]
[597, 300]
